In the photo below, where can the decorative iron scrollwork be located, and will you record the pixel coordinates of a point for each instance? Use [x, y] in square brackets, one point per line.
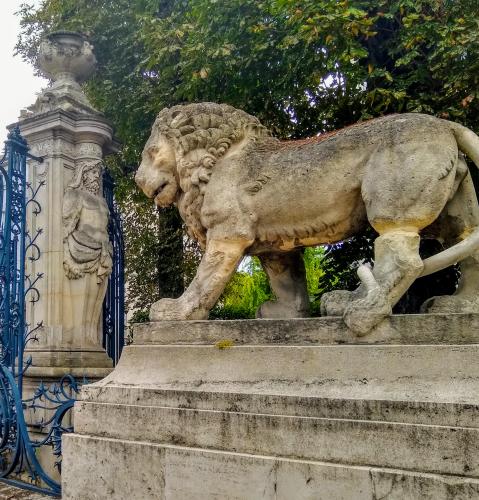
[19, 464]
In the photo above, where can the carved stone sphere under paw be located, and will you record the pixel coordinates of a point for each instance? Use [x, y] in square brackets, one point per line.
[334, 303]
[363, 314]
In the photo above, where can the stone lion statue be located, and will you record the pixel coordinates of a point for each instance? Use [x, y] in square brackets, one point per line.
[241, 191]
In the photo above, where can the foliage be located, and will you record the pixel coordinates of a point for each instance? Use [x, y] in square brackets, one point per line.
[140, 316]
[246, 291]
[316, 263]
[249, 287]
[303, 67]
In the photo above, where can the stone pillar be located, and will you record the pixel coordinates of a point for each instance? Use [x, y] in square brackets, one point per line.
[72, 137]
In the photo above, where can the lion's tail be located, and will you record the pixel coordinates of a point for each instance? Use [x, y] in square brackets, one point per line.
[468, 143]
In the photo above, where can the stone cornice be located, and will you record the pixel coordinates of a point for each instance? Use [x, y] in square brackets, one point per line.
[72, 127]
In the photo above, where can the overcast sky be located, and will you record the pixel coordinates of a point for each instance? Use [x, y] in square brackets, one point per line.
[18, 84]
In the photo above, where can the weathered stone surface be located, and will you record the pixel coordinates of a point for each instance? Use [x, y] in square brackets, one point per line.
[87, 247]
[425, 372]
[87, 252]
[72, 137]
[67, 58]
[240, 191]
[426, 448]
[398, 329]
[416, 412]
[283, 413]
[155, 471]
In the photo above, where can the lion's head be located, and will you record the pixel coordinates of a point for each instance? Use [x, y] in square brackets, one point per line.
[186, 142]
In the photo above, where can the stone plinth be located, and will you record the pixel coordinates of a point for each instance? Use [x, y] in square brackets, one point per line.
[283, 409]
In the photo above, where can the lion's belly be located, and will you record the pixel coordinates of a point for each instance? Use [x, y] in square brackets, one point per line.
[316, 224]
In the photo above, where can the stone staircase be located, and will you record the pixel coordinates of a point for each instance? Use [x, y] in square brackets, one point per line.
[283, 409]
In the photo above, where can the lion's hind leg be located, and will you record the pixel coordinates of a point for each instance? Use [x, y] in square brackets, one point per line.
[460, 218]
[397, 265]
[288, 281]
[405, 188]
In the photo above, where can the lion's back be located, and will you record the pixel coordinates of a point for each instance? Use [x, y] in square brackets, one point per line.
[314, 187]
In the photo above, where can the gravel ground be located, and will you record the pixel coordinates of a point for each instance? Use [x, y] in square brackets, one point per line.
[8, 492]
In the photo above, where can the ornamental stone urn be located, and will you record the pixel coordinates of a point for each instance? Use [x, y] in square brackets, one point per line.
[66, 58]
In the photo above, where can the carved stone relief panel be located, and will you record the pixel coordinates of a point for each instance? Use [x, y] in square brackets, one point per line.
[88, 150]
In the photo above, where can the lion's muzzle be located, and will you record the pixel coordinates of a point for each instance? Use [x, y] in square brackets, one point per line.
[157, 184]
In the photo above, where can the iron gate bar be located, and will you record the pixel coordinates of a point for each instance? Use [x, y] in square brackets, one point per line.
[17, 450]
[113, 306]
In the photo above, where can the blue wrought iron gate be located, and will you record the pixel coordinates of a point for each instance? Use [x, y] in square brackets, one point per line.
[113, 307]
[19, 464]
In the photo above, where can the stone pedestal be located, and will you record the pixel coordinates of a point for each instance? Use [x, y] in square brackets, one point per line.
[283, 409]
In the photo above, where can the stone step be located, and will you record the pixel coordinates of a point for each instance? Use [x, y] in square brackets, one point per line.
[281, 409]
[398, 329]
[415, 447]
[157, 471]
[423, 372]
[455, 414]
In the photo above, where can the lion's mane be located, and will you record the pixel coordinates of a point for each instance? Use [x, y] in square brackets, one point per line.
[210, 129]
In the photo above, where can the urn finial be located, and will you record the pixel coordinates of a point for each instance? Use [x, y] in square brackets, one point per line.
[66, 58]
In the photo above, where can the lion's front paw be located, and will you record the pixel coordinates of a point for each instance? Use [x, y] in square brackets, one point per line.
[175, 309]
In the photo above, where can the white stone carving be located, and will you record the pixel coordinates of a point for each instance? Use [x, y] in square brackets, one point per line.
[42, 148]
[241, 191]
[64, 129]
[66, 58]
[50, 147]
[87, 257]
[87, 247]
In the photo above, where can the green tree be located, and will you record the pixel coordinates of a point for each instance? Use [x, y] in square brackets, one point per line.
[246, 291]
[303, 67]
